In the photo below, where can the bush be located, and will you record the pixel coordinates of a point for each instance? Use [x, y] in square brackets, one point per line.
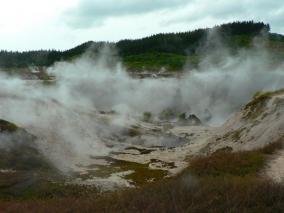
[222, 182]
[147, 116]
[226, 163]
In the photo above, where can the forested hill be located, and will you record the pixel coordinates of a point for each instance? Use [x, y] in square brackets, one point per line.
[169, 50]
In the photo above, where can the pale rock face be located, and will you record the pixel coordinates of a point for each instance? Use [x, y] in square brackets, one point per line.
[259, 123]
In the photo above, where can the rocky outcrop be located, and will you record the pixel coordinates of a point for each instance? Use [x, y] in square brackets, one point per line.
[259, 123]
[18, 149]
[190, 120]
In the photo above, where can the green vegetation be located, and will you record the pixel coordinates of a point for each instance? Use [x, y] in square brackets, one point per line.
[225, 163]
[268, 94]
[244, 41]
[168, 50]
[140, 174]
[157, 61]
[187, 43]
[25, 186]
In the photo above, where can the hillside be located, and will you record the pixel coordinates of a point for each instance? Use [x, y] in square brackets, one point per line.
[170, 51]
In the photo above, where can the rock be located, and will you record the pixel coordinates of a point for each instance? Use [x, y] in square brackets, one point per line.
[6, 126]
[190, 120]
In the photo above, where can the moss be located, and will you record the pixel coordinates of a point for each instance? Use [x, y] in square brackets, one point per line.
[141, 175]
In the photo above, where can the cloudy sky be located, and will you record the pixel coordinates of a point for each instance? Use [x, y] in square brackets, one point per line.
[62, 24]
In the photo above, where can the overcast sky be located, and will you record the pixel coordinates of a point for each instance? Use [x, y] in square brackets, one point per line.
[63, 24]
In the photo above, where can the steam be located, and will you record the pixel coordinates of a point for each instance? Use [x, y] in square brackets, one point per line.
[64, 116]
[219, 89]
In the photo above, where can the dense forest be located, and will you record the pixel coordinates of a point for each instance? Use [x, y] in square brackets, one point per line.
[169, 50]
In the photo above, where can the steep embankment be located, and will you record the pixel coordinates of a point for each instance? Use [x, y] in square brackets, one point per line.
[259, 123]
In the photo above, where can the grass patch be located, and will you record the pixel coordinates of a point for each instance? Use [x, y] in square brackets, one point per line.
[155, 61]
[223, 163]
[142, 174]
[28, 186]
[185, 194]
[228, 164]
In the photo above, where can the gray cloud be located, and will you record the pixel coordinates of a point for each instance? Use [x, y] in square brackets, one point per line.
[191, 13]
[93, 12]
[223, 11]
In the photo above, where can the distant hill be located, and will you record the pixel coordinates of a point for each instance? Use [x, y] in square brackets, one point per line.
[168, 50]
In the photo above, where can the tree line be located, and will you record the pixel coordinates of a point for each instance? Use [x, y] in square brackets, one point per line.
[185, 43]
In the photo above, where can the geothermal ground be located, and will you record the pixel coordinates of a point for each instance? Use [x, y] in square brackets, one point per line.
[146, 149]
[94, 124]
